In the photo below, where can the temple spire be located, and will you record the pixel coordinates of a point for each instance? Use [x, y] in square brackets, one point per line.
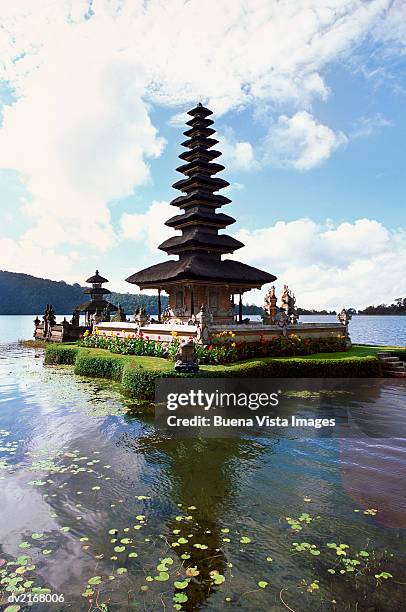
[200, 223]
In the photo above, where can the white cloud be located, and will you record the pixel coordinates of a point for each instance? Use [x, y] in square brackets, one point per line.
[392, 29]
[237, 155]
[80, 132]
[354, 264]
[366, 126]
[26, 256]
[149, 227]
[300, 142]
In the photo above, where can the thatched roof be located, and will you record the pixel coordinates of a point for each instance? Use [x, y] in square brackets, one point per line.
[200, 267]
[97, 278]
[93, 305]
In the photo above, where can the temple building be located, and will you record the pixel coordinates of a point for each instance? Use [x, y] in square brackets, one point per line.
[97, 303]
[200, 276]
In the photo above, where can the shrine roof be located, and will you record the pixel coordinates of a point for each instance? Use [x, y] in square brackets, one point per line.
[201, 268]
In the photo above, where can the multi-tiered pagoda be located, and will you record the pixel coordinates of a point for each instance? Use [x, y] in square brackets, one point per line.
[97, 302]
[200, 276]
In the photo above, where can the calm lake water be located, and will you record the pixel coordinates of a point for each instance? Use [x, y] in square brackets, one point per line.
[91, 490]
[363, 329]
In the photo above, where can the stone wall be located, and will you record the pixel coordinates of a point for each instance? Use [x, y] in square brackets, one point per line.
[165, 332]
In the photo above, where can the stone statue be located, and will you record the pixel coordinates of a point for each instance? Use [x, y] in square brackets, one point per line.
[120, 314]
[289, 305]
[282, 320]
[167, 314]
[49, 320]
[344, 317]
[270, 307]
[98, 317]
[75, 318]
[140, 316]
[51, 316]
[107, 314]
[186, 358]
[203, 320]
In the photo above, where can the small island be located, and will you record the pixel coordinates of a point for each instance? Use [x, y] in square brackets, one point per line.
[201, 329]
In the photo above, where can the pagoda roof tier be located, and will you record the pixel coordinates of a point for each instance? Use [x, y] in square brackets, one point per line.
[198, 239]
[200, 181]
[97, 279]
[199, 121]
[199, 166]
[211, 219]
[200, 111]
[199, 130]
[200, 197]
[93, 305]
[199, 141]
[96, 290]
[197, 267]
[199, 153]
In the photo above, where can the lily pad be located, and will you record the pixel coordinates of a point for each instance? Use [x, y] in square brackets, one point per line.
[162, 577]
[181, 584]
[180, 598]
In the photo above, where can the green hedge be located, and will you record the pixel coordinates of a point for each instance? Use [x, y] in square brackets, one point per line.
[58, 354]
[108, 366]
[139, 382]
[365, 367]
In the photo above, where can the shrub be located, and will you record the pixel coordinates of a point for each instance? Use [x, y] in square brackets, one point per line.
[139, 383]
[100, 366]
[130, 345]
[58, 354]
[365, 367]
[223, 350]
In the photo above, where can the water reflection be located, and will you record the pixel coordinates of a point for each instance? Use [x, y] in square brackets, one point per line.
[102, 468]
[203, 477]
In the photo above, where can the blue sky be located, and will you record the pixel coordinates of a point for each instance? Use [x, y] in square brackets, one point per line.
[309, 103]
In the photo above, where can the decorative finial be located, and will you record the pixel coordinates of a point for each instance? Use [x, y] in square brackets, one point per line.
[200, 104]
[97, 271]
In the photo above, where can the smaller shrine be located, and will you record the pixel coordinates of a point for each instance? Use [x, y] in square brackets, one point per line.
[97, 307]
[96, 310]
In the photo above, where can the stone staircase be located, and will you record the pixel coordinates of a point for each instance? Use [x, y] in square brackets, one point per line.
[391, 366]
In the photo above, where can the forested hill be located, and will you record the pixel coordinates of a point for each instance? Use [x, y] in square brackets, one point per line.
[25, 294]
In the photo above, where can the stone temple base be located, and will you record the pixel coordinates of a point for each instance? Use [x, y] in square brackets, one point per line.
[60, 332]
[251, 332]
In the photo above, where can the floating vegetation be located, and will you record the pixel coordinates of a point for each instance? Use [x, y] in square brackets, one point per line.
[131, 550]
[201, 556]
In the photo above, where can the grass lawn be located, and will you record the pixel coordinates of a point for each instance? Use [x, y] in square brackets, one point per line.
[355, 353]
[158, 363]
[149, 363]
